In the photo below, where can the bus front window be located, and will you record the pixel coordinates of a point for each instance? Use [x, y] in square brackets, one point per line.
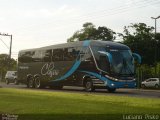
[121, 64]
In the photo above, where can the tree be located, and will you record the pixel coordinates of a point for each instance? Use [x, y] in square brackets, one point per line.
[6, 64]
[157, 37]
[140, 38]
[90, 32]
[104, 34]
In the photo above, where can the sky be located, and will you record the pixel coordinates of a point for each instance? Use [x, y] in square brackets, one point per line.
[37, 23]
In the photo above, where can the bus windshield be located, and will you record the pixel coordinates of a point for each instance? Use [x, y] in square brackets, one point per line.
[122, 63]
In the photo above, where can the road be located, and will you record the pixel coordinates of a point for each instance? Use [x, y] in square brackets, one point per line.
[119, 92]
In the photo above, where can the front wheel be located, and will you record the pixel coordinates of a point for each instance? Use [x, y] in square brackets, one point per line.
[89, 86]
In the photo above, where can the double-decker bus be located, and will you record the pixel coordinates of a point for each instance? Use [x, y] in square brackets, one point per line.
[91, 64]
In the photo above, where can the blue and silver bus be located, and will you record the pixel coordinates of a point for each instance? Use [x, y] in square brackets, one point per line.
[91, 64]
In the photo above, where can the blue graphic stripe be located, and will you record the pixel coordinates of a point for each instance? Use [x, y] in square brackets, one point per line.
[75, 66]
[96, 75]
[86, 43]
[109, 56]
[70, 72]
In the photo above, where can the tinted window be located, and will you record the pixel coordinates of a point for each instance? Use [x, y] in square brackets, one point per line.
[154, 79]
[148, 80]
[85, 54]
[47, 55]
[57, 55]
[37, 57]
[69, 54]
[26, 57]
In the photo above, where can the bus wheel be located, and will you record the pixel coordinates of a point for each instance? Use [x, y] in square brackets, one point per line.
[37, 82]
[89, 86]
[30, 82]
[111, 90]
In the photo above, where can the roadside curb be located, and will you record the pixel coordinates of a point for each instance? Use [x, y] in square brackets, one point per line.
[148, 90]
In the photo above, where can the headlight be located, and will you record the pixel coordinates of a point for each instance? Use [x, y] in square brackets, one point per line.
[112, 84]
[135, 84]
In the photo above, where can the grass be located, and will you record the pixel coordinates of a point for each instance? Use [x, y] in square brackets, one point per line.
[44, 105]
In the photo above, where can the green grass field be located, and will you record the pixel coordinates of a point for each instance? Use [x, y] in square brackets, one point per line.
[44, 105]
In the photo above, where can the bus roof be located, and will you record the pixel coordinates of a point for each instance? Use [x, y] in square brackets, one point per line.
[109, 44]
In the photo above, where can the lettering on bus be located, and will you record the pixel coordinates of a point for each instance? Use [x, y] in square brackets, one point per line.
[49, 69]
[24, 67]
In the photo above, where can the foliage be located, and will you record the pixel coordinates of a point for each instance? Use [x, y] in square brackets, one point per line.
[140, 38]
[90, 32]
[44, 105]
[158, 46]
[6, 64]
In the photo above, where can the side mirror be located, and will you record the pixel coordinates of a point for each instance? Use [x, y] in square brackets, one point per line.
[137, 57]
[108, 55]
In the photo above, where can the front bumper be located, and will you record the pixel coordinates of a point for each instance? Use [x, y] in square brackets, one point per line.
[120, 84]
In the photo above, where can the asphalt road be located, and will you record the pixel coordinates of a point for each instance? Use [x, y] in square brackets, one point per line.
[119, 92]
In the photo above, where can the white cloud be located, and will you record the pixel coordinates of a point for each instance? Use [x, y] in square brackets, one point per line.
[61, 11]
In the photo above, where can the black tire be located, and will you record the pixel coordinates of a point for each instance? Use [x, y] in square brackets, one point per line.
[15, 81]
[7, 81]
[156, 86]
[37, 83]
[88, 85]
[111, 90]
[143, 86]
[30, 82]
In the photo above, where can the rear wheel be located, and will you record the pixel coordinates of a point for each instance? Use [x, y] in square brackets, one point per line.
[89, 85]
[30, 82]
[143, 86]
[37, 82]
[156, 86]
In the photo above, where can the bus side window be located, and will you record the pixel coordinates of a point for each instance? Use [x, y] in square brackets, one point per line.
[25, 57]
[86, 55]
[37, 57]
[68, 54]
[76, 53]
[47, 56]
[57, 55]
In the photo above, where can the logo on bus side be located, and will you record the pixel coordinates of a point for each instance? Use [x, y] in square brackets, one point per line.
[49, 69]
